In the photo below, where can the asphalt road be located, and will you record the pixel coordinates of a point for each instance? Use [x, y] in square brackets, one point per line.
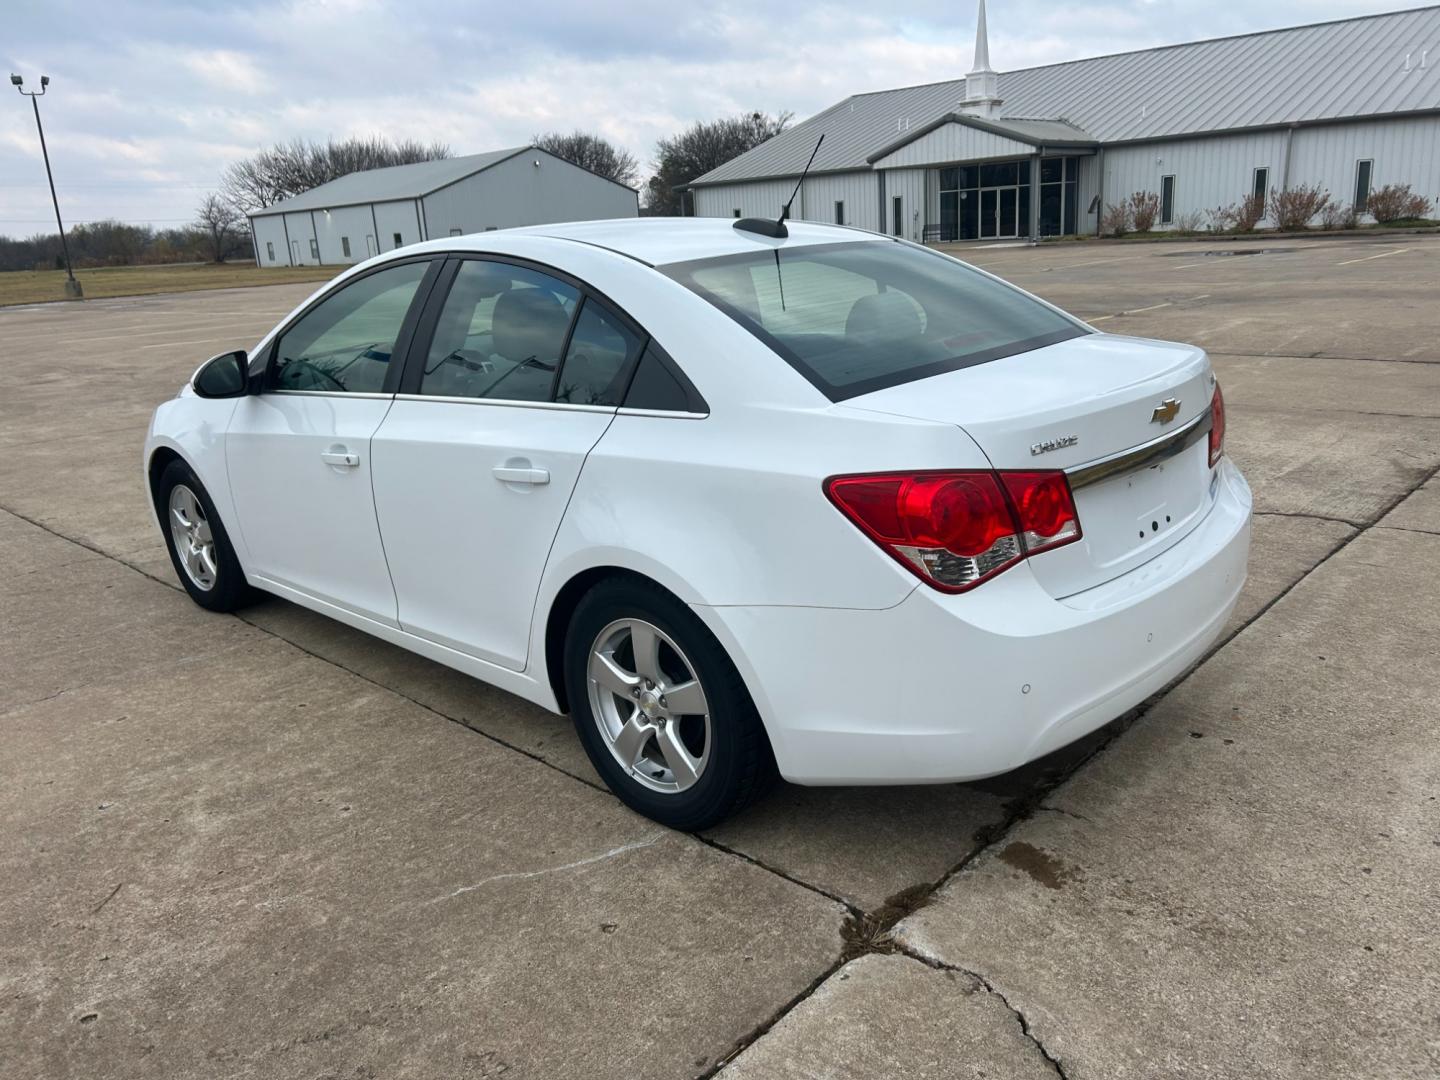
[269, 846]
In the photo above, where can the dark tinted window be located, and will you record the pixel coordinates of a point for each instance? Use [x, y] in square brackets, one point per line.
[856, 317]
[500, 334]
[658, 385]
[1362, 185]
[1167, 199]
[344, 342]
[598, 361]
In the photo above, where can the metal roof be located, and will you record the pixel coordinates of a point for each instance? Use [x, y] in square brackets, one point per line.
[1325, 71]
[395, 182]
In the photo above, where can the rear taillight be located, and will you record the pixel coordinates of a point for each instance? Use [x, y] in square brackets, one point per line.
[1217, 426]
[956, 529]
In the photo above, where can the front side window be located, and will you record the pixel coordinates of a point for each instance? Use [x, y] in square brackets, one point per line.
[500, 334]
[345, 342]
[858, 317]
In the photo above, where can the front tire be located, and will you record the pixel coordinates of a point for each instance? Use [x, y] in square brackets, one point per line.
[200, 548]
[661, 711]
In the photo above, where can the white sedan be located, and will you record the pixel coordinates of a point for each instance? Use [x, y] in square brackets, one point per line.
[828, 504]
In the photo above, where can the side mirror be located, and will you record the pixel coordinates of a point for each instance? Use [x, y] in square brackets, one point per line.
[223, 376]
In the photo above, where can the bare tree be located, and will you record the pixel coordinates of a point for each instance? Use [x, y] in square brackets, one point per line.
[702, 147]
[222, 225]
[287, 169]
[593, 152]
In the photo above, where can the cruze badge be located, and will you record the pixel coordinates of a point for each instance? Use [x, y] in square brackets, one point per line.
[1054, 444]
[1165, 411]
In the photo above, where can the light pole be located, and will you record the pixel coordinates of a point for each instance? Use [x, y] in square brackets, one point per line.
[72, 287]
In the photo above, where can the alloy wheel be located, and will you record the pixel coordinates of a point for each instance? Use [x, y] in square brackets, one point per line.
[648, 703]
[194, 542]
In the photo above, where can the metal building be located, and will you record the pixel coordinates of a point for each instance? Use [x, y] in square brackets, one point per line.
[364, 213]
[1350, 106]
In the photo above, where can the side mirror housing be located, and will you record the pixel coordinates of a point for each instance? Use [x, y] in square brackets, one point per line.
[223, 376]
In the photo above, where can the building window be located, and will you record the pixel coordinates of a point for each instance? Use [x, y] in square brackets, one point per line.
[1261, 187]
[1059, 196]
[1167, 200]
[269, 251]
[399, 242]
[315, 249]
[897, 216]
[737, 211]
[345, 246]
[454, 232]
[1363, 169]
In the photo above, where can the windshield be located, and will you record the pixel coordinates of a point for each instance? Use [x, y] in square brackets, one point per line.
[857, 317]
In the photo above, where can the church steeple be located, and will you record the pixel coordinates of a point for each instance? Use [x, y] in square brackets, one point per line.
[982, 84]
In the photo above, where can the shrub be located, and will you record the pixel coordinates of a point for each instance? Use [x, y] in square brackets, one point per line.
[1191, 222]
[1144, 209]
[1337, 216]
[1396, 202]
[1293, 208]
[1238, 217]
[1116, 220]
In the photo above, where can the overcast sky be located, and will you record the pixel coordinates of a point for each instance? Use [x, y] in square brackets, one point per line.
[149, 100]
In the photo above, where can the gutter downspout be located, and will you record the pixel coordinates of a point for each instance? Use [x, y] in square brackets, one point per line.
[1285, 169]
[1099, 188]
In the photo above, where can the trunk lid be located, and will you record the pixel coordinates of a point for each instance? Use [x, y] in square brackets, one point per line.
[1081, 403]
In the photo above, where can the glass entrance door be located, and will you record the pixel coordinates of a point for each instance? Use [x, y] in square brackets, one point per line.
[999, 213]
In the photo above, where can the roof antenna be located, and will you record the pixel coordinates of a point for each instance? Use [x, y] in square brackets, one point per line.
[766, 227]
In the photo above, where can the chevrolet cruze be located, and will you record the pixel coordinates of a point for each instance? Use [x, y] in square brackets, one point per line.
[825, 504]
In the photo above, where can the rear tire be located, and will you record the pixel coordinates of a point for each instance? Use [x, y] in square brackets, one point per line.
[661, 711]
[200, 548]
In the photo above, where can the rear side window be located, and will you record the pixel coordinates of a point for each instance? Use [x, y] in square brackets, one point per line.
[500, 334]
[858, 317]
[598, 359]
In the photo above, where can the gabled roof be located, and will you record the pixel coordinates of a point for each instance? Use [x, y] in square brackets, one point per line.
[1303, 74]
[395, 182]
[1056, 133]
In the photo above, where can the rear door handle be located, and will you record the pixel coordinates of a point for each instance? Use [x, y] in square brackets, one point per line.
[512, 474]
[343, 458]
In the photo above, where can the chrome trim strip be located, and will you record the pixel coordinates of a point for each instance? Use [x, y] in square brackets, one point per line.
[1142, 456]
[329, 393]
[665, 414]
[563, 406]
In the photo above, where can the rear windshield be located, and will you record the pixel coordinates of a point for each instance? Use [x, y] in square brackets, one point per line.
[857, 317]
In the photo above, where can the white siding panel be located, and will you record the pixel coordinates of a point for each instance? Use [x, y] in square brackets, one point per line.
[757, 198]
[518, 192]
[1404, 152]
[954, 142]
[1087, 187]
[909, 185]
[351, 222]
[401, 217]
[859, 191]
[270, 237]
[301, 231]
[1209, 173]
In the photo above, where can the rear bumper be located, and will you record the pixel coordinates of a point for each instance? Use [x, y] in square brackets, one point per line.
[943, 688]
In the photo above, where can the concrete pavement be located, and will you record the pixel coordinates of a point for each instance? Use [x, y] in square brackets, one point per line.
[334, 858]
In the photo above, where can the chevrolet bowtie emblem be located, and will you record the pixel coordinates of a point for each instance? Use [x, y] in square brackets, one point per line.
[1165, 411]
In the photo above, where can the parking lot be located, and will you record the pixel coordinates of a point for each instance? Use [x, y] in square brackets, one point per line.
[269, 846]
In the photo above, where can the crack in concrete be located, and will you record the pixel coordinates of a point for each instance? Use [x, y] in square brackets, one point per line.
[525, 875]
[1325, 356]
[1311, 517]
[1409, 529]
[991, 988]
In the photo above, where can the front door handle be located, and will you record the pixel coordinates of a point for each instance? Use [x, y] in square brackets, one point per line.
[512, 474]
[343, 458]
